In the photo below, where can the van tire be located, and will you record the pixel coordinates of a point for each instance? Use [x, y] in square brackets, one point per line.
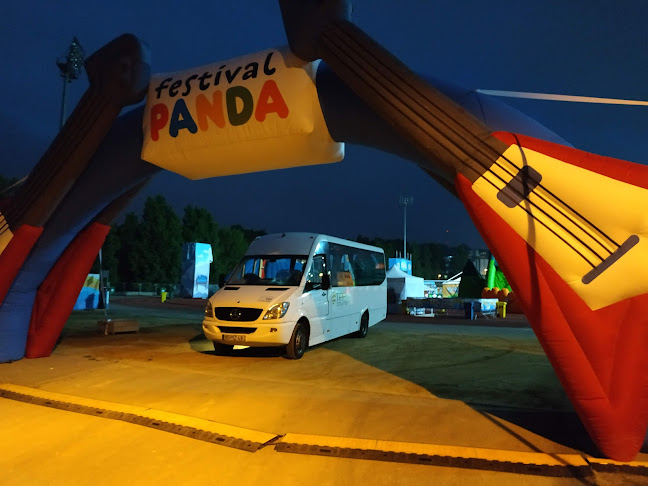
[364, 327]
[298, 344]
[223, 349]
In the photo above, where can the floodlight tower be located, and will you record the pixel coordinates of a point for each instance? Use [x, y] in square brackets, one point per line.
[404, 202]
[71, 66]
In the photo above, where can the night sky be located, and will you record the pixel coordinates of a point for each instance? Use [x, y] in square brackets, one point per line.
[578, 47]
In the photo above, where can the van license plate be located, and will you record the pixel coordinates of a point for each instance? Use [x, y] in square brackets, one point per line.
[237, 338]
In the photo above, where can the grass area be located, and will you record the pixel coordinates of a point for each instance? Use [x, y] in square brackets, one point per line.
[479, 369]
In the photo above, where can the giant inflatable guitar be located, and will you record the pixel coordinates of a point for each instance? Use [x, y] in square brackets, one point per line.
[567, 227]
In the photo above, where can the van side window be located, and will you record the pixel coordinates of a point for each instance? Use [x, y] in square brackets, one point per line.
[352, 267]
[315, 273]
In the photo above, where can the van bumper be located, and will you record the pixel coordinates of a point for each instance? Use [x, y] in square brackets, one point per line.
[257, 333]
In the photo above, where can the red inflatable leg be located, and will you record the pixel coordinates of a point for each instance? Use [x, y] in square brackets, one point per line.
[58, 292]
[599, 356]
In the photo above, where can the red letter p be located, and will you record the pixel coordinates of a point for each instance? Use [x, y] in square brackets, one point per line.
[159, 119]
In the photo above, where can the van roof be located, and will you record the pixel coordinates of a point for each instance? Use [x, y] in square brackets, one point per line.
[282, 244]
[295, 243]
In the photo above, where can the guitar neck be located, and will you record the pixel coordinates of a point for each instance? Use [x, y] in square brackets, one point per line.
[514, 181]
[452, 140]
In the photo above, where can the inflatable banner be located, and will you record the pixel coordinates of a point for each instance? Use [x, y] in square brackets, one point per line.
[89, 296]
[248, 114]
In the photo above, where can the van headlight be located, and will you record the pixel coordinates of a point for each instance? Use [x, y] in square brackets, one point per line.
[277, 311]
[209, 310]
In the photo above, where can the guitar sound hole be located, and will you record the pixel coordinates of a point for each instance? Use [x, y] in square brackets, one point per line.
[524, 182]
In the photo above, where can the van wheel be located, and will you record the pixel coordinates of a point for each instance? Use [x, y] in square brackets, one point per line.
[364, 326]
[298, 344]
[223, 349]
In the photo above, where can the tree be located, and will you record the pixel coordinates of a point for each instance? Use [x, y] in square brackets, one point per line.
[429, 260]
[232, 247]
[157, 251]
[460, 255]
[128, 233]
[249, 234]
[109, 252]
[199, 226]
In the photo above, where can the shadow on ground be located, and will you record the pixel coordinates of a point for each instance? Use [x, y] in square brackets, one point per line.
[508, 378]
[502, 373]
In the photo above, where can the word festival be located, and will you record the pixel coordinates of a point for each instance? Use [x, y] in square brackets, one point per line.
[239, 104]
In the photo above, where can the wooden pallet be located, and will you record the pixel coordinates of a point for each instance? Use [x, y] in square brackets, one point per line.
[118, 326]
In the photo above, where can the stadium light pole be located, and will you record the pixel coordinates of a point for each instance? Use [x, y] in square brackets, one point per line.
[404, 202]
[71, 65]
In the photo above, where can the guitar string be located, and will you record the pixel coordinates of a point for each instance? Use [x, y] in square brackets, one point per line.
[559, 207]
[552, 230]
[530, 199]
[487, 169]
[544, 211]
[562, 208]
[555, 196]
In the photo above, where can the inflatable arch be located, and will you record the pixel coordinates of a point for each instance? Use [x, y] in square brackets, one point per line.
[559, 246]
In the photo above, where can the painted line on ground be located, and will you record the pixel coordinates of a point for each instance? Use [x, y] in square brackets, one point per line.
[533, 463]
[193, 427]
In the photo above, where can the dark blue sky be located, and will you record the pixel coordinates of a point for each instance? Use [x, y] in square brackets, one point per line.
[579, 47]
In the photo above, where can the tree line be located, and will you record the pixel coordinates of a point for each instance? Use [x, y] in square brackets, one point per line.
[148, 247]
[432, 261]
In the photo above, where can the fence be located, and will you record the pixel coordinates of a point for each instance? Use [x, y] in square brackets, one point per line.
[147, 288]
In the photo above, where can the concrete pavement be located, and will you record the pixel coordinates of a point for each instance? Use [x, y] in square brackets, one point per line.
[320, 415]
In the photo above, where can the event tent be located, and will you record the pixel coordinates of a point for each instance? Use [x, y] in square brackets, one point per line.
[404, 285]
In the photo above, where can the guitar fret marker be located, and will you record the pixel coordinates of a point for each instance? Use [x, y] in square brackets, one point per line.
[609, 261]
[525, 181]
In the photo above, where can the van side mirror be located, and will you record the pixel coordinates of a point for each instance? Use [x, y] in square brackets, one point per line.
[326, 281]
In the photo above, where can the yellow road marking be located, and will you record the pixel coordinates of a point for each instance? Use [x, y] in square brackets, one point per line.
[540, 458]
[151, 413]
[494, 455]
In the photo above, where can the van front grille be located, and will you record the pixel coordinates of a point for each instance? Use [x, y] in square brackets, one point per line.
[237, 330]
[240, 314]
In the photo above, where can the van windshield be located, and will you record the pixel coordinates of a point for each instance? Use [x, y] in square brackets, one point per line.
[269, 270]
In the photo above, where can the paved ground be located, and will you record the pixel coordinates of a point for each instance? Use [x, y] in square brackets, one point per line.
[417, 402]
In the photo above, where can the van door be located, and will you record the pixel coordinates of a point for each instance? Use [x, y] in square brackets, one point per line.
[316, 299]
[342, 317]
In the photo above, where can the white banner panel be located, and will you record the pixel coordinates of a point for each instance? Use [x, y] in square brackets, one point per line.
[248, 114]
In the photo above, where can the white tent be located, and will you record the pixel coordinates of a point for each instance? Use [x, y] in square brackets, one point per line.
[404, 285]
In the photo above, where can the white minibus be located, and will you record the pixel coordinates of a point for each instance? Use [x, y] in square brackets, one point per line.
[297, 290]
